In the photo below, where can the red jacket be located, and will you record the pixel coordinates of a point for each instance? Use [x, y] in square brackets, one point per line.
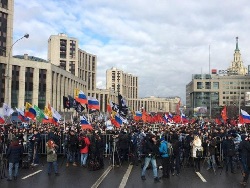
[86, 148]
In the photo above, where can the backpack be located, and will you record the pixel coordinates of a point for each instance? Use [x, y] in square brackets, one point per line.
[82, 143]
[199, 153]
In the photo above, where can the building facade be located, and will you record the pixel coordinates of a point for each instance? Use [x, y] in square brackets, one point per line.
[124, 83]
[31, 79]
[207, 94]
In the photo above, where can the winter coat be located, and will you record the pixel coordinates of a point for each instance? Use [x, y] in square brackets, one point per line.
[14, 153]
[228, 147]
[176, 144]
[87, 143]
[73, 143]
[197, 145]
[244, 148]
[51, 154]
[124, 140]
[150, 148]
[211, 147]
[163, 149]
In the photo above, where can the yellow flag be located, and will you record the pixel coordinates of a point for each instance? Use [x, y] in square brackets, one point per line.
[27, 106]
[113, 113]
[76, 92]
[133, 112]
[47, 112]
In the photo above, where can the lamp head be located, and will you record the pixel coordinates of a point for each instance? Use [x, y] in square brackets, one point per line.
[26, 35]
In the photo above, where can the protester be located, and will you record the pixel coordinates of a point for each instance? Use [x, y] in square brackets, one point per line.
[14, 155]
[244, 150]
[51, 149]
[71, 147]
[35, 141]
[175, 158]
[229, 152]
[84, 148]
[197, 148]
[163, 149]
[150, 151]
[211, 146]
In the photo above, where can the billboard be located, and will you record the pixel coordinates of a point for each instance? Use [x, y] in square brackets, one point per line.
[201, 110]
[214, 71]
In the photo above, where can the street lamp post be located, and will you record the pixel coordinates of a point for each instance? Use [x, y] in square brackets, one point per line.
[7, 75]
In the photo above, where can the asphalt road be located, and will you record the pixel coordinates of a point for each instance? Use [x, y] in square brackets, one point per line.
[125, 176]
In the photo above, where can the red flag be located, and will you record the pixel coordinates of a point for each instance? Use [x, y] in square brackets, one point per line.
[177, 118]
[224, 114]
[241, 120]
[144, 116]
[218, 121]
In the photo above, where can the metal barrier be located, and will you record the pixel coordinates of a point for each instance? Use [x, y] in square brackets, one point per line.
[60, 142]
[107, 138]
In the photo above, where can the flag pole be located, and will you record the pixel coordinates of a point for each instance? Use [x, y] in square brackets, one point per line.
[64, 128]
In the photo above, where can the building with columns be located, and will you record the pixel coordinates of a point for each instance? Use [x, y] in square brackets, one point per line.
[31, 79]
[207, 94]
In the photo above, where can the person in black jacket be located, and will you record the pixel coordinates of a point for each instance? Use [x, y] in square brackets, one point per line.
[175, 158]
[14, 155]
[229, 152]
[211, 146]
[244, 150]
[35, 141]
[72, 148]
[151, 150]
[100, 147]
[123, 144]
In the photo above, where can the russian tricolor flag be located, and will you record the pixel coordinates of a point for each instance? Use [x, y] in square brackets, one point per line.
[165, 118]
[170, 116]
[138, 114]
[2, 120]
[21, 115]
[117, 121]
[245, 116]
[82, 98]
[84, 123]
[31, 113]
[93, 103]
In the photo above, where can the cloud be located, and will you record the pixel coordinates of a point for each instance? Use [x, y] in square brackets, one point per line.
[162, 42]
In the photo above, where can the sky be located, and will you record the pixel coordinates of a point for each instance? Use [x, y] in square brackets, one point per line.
[163, 42]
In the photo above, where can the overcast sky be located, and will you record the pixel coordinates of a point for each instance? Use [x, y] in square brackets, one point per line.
[163, 42]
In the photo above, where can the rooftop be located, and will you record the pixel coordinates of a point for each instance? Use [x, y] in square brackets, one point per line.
[32, 58]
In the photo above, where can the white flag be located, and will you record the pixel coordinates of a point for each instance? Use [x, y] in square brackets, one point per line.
[7, 111]
[55, 114]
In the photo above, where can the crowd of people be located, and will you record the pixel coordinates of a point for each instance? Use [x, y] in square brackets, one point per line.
[169, 146]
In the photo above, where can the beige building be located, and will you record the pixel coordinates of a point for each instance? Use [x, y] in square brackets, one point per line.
[6, 22]
[39, 82]
[211, 92]
[127, 85]
[154, 104]
[63, 52]
[124, 83]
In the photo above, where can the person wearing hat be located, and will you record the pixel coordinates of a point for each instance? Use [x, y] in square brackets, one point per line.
[14, 155]
[164, 157]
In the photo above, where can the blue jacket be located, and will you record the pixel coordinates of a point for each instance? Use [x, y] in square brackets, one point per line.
[164, 149]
